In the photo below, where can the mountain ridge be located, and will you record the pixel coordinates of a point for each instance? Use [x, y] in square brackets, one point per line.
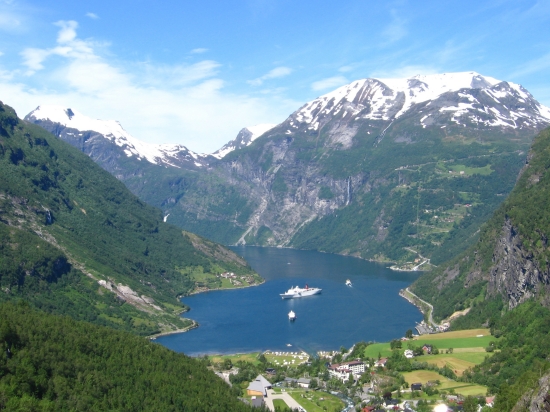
[76, 241]
[344, 156]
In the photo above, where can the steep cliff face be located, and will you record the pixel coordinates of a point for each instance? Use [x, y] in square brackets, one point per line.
[379, 168]
[516, 273]
[537, 400]
[511, 259]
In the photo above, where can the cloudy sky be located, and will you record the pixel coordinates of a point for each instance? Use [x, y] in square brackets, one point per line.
[196, 72]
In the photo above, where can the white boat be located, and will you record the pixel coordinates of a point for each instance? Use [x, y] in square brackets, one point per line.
[291, 316]
[298, 292]
[348, 283]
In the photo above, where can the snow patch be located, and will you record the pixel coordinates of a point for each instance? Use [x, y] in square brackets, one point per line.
[112, 130]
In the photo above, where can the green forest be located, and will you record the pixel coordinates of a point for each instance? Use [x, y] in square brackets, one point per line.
[66, 224]
[54, 363]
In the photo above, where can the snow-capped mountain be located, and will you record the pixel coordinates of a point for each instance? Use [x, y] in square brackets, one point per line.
[345, 173]
[83, 131]
[465, 98]
[245, 137]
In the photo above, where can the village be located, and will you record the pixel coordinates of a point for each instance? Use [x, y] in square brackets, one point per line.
[414, 373]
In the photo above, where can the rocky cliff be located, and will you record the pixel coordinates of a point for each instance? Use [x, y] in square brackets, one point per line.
[380, 168]
[511, 259]
[537, 400]
[516, 274]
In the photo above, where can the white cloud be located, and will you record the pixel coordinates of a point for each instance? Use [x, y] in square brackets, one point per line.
[181, 103]
[329, 83]
[10, 22]
[199, 50]
[178, 75]
[532, 66]
[345, 69]
[67, 32]
[33, 58]
[92, 15]
[394, 31]
[272, 74]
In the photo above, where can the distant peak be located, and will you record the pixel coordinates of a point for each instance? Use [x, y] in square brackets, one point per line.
[112, 130]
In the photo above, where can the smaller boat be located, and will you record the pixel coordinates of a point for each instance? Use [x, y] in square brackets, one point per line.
[291, 316]
[348, 283]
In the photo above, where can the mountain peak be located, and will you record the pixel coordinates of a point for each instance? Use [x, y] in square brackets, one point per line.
[74, 125]
[245, 137]
[387, 99]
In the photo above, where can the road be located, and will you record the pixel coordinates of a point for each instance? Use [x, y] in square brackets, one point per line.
[430, 312]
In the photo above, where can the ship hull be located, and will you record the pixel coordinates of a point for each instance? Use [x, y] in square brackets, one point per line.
[293, 294]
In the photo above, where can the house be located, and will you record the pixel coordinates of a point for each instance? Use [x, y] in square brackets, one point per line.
[409, 354]
[342, 371]
[391, 403]
[380, 363]
[489, 401]
[303, 382]
[257, 402]
[271, 371]
[258, 387]
[427, 348]
[416, 386]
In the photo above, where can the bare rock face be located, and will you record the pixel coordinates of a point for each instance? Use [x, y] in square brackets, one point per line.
[515, 274]
[537, 400]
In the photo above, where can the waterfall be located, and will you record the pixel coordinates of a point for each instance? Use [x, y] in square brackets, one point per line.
[349, 191]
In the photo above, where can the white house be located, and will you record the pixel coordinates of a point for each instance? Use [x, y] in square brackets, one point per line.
[258, 387]
[342, 370]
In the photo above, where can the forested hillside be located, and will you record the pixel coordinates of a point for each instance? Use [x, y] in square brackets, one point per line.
[503, 281]
[510, 263]
[53, 363]
[75, 241]
[383, 169]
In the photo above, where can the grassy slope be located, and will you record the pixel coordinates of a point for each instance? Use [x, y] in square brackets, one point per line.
[406, 180]
[55, 200]
[526, 208]
[522, 358]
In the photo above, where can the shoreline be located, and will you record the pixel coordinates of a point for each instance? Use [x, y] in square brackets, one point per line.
[193, 325]
[196, 292]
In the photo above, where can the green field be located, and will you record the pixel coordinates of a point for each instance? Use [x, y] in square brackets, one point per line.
[468, 348]
[279, 403]
[446, 384]
[481, 342]
[313, 401]
[246, 357]
[382, 349]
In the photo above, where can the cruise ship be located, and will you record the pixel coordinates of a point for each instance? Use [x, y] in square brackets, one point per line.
[298, 292]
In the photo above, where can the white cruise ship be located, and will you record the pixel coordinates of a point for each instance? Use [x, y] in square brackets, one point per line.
[298, 292]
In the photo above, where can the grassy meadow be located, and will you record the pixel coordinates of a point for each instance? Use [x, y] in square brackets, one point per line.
[313, 401]
[468, 350]
[246, 357]
[460, 388]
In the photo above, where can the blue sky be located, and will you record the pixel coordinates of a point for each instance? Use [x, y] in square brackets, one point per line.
[196, 72]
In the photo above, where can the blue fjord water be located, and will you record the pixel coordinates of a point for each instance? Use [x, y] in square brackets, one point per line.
[255, 319]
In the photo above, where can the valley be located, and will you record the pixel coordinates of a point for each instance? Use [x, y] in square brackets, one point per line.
[274, 206]
[372, 169]
[409, 178]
